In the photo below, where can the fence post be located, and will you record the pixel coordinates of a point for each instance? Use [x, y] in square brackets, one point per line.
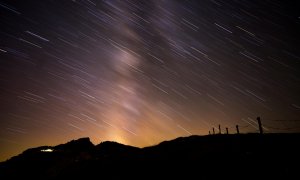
[209, 132]
[213, 130]
[226, 130]
[259, 125]
[237, 129]
[219, 129]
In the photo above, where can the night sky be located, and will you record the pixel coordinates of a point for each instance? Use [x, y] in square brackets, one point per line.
[140, 72]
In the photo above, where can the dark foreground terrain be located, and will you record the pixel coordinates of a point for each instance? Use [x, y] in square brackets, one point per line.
[244, 156]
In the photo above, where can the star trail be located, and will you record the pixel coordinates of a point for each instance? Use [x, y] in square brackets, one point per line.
[140, 72]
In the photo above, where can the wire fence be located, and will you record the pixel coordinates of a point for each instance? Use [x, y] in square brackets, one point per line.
[267, 126]
[282, 124]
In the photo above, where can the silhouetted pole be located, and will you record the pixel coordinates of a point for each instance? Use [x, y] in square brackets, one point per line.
[226, 130]
[237, 129]
[219, 129]
[213, 130]
[209, 132]
[259, 125]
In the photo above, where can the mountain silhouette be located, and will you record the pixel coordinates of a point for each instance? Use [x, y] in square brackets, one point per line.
[243, 156]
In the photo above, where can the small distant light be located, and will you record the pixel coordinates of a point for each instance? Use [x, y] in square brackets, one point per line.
[47, 150]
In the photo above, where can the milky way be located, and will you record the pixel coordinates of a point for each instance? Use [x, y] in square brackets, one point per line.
[140, 72]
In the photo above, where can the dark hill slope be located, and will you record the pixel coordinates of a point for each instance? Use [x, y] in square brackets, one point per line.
[244, 156]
